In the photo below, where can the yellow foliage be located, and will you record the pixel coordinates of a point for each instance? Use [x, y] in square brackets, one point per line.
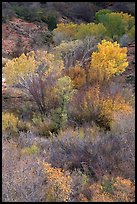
[103, 108]
[108, 60]
[26, 64]
[77, 75]
[59, 184]
[9, 122]
[19, 66]
[69, 29]
[128, 20]
[90, 29]
[80, 31]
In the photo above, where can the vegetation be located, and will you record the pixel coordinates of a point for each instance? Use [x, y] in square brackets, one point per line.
[68, 121]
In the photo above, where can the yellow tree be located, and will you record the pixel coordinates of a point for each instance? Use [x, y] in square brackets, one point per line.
[110, 59]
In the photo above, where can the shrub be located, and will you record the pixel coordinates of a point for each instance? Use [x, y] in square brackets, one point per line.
[101, 12]
[110, 59]
[131, 33]
[75, 51]
[124, 40]
[128, 20]
[64, 91]
[26, 182]
[37, 74]
[52, 22]
[77, 75]
[58, 188]
[115, 189]
[25, 13]
[10, 123]
[81, 184]
[91, 29]
[90, 105]
[30, 150]
[41, 125]
[24, 126]
[19, 67]
[116, 24]
[73, 31]
[68, 30]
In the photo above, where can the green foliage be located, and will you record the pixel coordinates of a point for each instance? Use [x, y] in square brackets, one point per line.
[51, 20]
[25, 13]
[29, 14]
[108, 185]
[116, 24]
[30, 150]
[41, 125]
[64, 88]
[101, 13]
[64, 91]
[59, 118]
[71, 31]
[131, 33]
[91, 29]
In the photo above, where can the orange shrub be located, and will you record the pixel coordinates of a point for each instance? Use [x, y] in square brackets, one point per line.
[113, 190]
[91, 105]
[58, 186]
[77, 75]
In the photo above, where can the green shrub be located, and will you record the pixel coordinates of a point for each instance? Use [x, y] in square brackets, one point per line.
[116, 24]
[91, 29]
[25, 13]
[30, 150]
[101, 13]
[41, 125]
[131, 33]
[51, 20]
[64, 90]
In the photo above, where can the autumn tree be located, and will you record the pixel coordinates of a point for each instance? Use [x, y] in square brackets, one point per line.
[109, 59]
[37, 74]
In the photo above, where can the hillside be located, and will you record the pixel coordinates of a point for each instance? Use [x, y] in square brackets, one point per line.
[68, 102]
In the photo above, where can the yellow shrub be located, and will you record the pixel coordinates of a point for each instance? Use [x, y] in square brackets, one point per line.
[101, 109]
[128, 20]
[69, 29]
[91, 29]
[9, 122]
[26, 64]
[59, 184]
[107, 61]
[19, 66]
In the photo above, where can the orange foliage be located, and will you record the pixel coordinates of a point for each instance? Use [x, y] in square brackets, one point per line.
[123, 191]
[77, 75]
[59, 188]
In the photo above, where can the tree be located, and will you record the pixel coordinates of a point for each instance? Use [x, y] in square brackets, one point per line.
[110, 59]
